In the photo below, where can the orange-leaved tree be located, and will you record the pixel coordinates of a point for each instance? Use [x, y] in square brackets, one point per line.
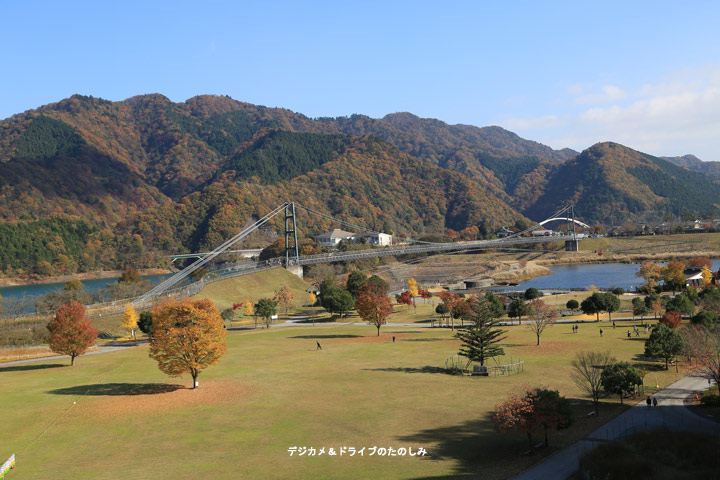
[671, 319]
[188, 337]
[70, 331]
[285, 298]
[373, 304]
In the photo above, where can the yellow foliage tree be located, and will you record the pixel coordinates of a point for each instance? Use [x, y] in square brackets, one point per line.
[706, 276]
[188, 337]
[248, 308]
[312, 298]
[413, 289]
[130, 320]
[672, 274]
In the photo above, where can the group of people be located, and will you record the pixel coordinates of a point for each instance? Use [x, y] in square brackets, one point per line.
[636, 330]
[575, 328]
[651, 401]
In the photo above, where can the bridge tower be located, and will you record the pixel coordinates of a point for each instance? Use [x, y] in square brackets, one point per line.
[571, 245]
[291, 243]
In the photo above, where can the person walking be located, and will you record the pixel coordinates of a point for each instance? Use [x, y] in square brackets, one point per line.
[613, 324]
[318, 346]
[648, 401]
[393, 338]
[601, 333]
[655, 402]
[629, 334]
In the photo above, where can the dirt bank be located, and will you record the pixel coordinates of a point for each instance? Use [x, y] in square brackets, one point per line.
[14, 281]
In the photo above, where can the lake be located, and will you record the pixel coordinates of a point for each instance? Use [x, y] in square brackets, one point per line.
[90, 286]
[602, 275]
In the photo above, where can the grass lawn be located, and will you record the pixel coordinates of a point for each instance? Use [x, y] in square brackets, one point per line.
[254, 287]
[273, 391]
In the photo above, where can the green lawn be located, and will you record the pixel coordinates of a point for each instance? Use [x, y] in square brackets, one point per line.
[273, 390]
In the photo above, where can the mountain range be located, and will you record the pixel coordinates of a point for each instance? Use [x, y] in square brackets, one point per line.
[87, 183]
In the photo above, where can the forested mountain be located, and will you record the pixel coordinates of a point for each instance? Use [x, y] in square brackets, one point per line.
[86, 183]
[691, 162]
[610, 183]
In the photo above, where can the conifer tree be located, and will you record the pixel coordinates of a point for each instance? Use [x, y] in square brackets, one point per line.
[480, 339]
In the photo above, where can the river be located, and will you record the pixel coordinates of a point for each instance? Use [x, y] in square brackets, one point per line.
[91, 286]
[602, 275]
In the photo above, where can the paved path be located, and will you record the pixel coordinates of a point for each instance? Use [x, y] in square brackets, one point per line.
[100, 349]
[670, 413]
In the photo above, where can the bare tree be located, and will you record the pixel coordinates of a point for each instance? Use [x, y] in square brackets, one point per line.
[541, 317]
[703, 349]
[587, 373]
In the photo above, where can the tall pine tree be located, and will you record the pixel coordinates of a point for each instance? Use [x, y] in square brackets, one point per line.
[480, 339]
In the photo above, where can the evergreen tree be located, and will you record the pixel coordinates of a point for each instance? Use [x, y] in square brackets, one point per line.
[480, 339]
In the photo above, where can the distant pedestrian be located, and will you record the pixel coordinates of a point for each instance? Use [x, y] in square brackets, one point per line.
[629, 334]
[654, 401]
[601, 333]
[613, 324]
[393, 338]
[318, 346]
[649, 402]
[637, 332]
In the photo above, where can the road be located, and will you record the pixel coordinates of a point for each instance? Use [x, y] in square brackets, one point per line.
[670, 413]
[100, 349]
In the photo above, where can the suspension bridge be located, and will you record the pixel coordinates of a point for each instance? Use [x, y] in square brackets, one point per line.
[175, 286]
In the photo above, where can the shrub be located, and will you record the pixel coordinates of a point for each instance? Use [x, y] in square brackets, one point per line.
[711, 397]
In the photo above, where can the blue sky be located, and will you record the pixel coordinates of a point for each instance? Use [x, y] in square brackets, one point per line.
[568, 74]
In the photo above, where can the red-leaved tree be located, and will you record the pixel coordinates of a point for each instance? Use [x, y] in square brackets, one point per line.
[535, 409]
[70, 331]
[671, 319]
[373, 304]
[404, 298]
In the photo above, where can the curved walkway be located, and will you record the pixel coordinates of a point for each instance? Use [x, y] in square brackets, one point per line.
[670, 413]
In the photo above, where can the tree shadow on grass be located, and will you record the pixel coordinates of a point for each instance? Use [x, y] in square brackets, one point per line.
[425, 339]
[641, 361]
[115, 389]
[425, 369]
[462, 443]
[479, 451]
[326, 336]
[22, 368]
[317, 320]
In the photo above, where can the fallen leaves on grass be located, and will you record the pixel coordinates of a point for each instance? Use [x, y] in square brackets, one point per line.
[210, 392]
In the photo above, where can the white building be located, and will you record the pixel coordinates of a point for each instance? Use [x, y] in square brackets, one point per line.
[380, 239]
[332, 239]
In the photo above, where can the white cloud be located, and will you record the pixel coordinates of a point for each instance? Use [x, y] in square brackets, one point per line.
[677, 115]
[607, 94]
[534, 123]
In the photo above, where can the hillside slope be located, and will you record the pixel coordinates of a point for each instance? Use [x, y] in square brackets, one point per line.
[610, 183]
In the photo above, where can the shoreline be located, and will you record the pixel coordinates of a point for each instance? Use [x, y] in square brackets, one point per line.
[96, 275]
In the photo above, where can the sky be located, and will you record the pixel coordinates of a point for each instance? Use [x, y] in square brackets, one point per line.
[567, 74]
